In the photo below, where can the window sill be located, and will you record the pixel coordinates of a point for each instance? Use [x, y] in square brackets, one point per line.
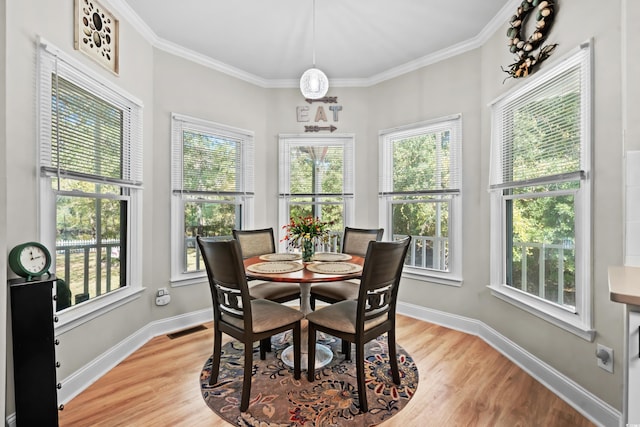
[555, 315]
[431, 276]
[188, 279]
[75, 316]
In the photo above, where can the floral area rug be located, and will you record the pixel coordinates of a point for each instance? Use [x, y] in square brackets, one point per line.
[277, 399]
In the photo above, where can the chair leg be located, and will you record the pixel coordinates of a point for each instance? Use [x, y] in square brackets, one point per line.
[346, 349]
[246, 380]
[217, 349]
[264, 348]
[312, 302]
[296, 351]
[311, 356]
[393, 356]
[362, 389]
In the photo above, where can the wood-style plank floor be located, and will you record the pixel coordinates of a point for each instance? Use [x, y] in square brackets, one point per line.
[463, 382]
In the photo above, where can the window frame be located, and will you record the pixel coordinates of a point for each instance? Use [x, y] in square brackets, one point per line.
[285, 143]
[578, 321]
[52, 60]
[453, 123]
[245, 198]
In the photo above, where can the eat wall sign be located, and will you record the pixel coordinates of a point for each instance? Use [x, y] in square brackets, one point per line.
[321, 117]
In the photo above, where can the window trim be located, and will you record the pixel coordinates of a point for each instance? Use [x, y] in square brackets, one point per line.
[580, 322]
[83, 76]
[285, 142]
[453, 277]
[179, 277]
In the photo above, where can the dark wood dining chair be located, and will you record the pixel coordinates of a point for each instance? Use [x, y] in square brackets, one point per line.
[371, 315]
[355, 241]
[239, 315]
[261, 242]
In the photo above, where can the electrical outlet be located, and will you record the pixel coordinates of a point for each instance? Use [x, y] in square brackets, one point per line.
[604, 356]
[162, 291]
[163, 300]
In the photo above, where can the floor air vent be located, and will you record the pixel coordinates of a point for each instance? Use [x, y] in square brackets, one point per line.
[186, 331]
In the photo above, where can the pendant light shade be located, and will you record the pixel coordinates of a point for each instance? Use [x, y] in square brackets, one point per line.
[314, 84]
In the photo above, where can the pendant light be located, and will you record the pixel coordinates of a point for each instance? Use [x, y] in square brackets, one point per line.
[314, 84]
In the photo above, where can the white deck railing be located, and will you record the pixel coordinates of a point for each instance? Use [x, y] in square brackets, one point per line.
[424, 252]
[543, 250]
[105, 251]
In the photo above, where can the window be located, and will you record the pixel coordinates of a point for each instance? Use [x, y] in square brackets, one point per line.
[540, 195]
[212, 183]
[420, 195]
[91, 181]
[316, 179]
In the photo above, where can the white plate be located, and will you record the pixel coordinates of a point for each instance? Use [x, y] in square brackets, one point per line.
[272, 267]
[331, 256]
[334, 268]
[283, 256]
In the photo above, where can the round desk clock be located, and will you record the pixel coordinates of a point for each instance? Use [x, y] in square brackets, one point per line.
[30, 260]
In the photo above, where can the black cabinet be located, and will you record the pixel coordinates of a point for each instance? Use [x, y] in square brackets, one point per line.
[34, 358]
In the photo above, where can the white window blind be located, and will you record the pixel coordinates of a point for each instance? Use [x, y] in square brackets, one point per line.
[88, 130]
[209, 158]
[540, 132]
[90, 163]
[540, 187]
[332, 159]
[435, 161]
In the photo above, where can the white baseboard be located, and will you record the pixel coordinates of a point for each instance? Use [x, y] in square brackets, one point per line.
[589, 405]
[87, 375]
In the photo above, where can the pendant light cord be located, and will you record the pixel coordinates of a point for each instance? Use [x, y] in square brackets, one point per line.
[314, 83]
[314, 33]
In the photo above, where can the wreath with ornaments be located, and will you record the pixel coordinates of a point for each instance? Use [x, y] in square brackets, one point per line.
[521, 45]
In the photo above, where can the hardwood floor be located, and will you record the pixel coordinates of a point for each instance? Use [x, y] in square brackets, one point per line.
[463, 382]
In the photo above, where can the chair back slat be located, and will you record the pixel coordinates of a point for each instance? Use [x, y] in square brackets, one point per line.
[356, 240]
[255, 242]
[378, 302]
[380, 280]
[227, 279]
[229, 300]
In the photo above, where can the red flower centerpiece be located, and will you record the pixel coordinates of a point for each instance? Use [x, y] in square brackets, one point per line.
[305, 232]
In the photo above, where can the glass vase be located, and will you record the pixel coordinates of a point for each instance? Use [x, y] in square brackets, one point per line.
[307, 250]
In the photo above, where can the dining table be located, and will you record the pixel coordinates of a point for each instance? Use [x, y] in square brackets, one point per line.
[288, 267]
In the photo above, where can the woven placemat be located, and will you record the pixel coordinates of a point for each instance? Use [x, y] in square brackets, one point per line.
[282, 256]
[331, 256]
[275, 267]
[334, 268]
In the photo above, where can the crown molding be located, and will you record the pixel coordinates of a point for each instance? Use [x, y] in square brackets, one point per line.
[126, 12]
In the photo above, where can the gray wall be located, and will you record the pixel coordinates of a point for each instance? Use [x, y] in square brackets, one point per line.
[463, 84]
[631, 65]
[188, 88]
[445, 88]
[468, 84]
[576, 22]
[353, 119]
[3, 198]
[53, 20]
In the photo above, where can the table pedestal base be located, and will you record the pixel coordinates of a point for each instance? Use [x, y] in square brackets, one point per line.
[324, 355]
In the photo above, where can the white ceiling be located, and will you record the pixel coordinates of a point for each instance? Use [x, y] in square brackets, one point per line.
[358, 42]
